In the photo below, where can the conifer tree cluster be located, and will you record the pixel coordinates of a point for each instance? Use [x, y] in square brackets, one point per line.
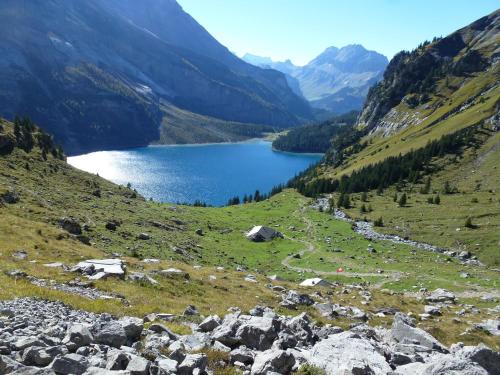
[28, 135]
[395, 169]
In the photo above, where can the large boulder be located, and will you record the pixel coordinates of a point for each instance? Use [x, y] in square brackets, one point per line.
[209, 323]
[117, 359]
[301, 328]
[226, 332]
[96, 269]
[138, 365]
[37, 356]
[70, 225]
[349, 353]
[77, 336]
[442, 365]
[25, 342]
[110, 333]
[441, 295]
[257, 332]
[196, 341]
[292, 299]
[243, 355]
[482, 355]
[271, 360]
[193, 363]
[404, 332]
[163, 366]
[133, 327]
[70, 364]
[8, 365]
[491, 325]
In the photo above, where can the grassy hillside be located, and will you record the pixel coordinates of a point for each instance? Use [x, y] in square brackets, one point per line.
[180, 126]
[49, 190]
[443, 88]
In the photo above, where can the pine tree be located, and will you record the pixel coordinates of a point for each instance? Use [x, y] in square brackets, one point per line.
[402, 200]
[362, 209]
[331, 203]
[447, 187]
[340, 201]
[257, 197]
[427, 187]
[395, 197]
[347, 201]
[364, 197]
[437, 199]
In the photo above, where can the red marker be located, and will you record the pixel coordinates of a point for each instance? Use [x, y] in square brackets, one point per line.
[340, 269]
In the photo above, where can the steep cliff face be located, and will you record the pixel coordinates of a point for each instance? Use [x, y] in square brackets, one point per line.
[96, 79]
[414, 81]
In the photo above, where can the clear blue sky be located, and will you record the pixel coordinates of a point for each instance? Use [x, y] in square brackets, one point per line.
[301, 29]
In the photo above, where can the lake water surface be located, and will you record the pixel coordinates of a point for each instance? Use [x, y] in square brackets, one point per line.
[184, 173]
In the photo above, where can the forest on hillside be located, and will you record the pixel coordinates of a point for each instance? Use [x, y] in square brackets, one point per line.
[315, 138]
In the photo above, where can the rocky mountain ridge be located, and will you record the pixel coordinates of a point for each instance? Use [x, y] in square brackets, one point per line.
[96, 74]
[413, 80]
[336, 80]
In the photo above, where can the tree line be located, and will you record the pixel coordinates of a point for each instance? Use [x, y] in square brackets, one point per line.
[394, 169]
[28, 136]
[316, 137]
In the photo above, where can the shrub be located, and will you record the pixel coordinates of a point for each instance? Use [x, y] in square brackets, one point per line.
[430, 200]
[379, 222]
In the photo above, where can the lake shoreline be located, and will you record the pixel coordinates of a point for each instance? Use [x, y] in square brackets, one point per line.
[209, 173]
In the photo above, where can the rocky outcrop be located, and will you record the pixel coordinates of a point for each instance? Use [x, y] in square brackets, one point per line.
[349, 353]
[411, 77]
[40, 337]
[96, 269]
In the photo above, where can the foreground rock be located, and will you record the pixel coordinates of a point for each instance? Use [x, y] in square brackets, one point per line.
[350, 353]
[48, 338]
[96, 269]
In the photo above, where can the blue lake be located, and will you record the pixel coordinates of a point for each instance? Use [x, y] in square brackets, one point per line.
[184, 173]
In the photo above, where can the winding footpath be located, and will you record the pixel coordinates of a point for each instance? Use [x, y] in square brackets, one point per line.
[309, 247]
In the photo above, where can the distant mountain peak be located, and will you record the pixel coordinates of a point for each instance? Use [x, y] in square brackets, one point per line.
[256, 59]
[337, 80]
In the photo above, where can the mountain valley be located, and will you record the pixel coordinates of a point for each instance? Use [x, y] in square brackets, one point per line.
[380, 259]
[337, 80]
